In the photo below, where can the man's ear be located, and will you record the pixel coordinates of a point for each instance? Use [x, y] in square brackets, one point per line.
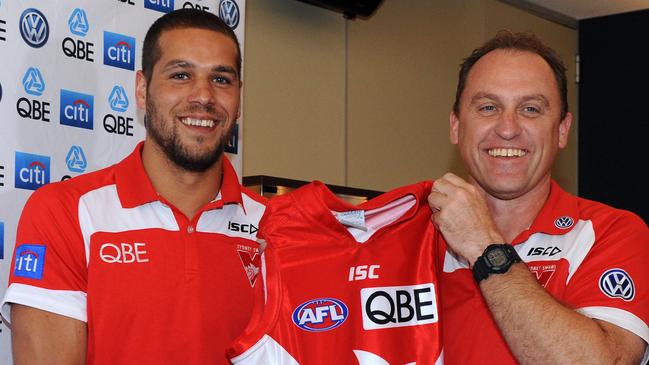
[454, 128]
[140, 90]
[564, 130]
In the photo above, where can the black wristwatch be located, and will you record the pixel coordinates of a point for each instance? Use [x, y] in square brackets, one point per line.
[496, 259]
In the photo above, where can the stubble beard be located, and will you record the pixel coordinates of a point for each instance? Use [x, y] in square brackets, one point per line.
[172, 146]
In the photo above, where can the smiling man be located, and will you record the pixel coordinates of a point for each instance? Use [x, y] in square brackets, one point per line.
[532, 274]
[135, 263]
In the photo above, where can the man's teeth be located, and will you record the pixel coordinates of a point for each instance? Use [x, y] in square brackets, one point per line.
[507, 152]
[198, 122]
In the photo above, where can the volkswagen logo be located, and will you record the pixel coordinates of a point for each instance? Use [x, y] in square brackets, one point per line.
[229, 13]
[34, 28]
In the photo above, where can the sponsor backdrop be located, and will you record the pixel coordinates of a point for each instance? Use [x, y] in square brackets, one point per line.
[67, 103]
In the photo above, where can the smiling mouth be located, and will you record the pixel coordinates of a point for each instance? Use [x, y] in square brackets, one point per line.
[506, 152]
[193, 122]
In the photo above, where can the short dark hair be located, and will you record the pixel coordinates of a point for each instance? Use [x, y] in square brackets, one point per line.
[182, 18]
[526, 42]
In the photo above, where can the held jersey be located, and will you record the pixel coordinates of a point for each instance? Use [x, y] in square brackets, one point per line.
[590, 257]
[153, 286]
[346, 284]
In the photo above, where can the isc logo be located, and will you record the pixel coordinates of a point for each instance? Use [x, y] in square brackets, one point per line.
[544, 251]
[363, 272]
[398, 306]
[32, 171]
[30, 260]
[242, 227]
[76, 109]
[119, 50]
[319, 315]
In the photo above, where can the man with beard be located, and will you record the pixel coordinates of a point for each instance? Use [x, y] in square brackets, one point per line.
[138, 263]
[531, 274]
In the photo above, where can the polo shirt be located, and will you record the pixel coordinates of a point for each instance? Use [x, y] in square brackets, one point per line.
[154, 286]
[591, 257]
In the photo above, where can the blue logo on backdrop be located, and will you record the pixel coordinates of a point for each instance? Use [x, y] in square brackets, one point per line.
[30, 260]
[34, 28]
[33, 82]
[119, 50]
[76, 160]
[32, 171]
[229, 13]
[78, 22]
[76, 109]
[118, 100]
[616, 283]
[2, 240]
[164, 6]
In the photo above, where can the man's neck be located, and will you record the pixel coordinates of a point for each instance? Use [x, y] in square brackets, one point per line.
[514, 216]
[186, 190]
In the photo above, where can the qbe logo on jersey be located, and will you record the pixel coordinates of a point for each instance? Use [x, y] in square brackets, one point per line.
[321, 314]
[32, 171]
[76, 109]
[119, 50]
[399, 306]
[30, 260]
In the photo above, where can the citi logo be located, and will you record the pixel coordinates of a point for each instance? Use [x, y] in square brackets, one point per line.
[34, 28]
[32, 171]
[30, 261]
[319, 315]
[76, 160]
[229, 13]
[76, 109]
[242, 227]
[544, 251]
[123, 253]
[164, 6]
[33, 82]
[78, 22]
[118, 100]
[119, 51]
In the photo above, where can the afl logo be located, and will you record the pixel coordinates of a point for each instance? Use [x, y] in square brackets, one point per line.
[319, 315]
[229, 13]
[616, 283]
[34, 28]
[564, 222]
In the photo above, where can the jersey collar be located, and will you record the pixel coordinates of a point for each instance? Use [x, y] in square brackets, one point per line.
[134, 187]
[557, 217]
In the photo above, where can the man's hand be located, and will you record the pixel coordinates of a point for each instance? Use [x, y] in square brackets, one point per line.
[462, 216]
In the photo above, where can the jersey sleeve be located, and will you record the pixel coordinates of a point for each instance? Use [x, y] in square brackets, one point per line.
[612, 283]
[48, 269]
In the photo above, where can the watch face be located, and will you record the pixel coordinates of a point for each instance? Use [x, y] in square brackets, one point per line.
[497, 257]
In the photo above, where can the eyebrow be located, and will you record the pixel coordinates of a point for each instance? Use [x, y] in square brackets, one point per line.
[485, 95]
[186, 64]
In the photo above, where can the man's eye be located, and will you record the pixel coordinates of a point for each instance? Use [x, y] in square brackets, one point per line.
[222, 80]
[531, 109]
[488, 108]
[180, 76]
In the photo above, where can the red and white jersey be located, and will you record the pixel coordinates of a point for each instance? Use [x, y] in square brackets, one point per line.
[589, 256]
[153, 286]
[346, 284]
